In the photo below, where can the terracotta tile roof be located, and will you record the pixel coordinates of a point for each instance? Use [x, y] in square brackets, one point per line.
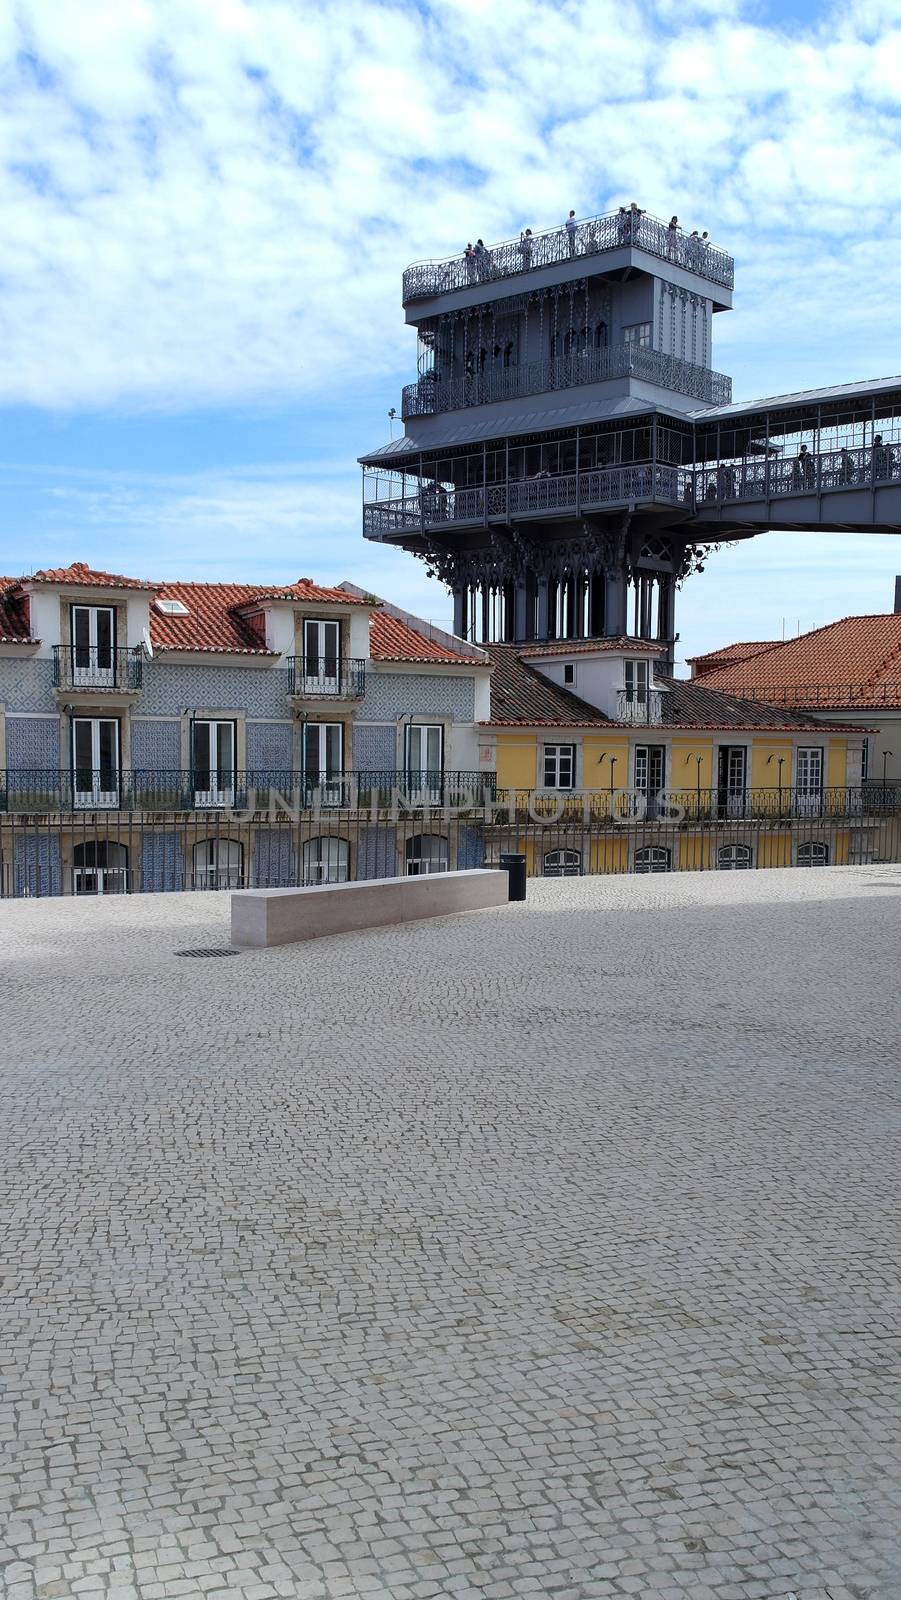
[212, 623]
[729, 654]
[87, 577]
[14, 614]
[571, 647]
[390, 639]
[852, 664]
[306, 589]
[522, 695]
[691, 703]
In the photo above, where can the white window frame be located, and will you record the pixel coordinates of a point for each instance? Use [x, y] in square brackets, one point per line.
[808, 846]
[97, 672]
[424, 776]
[107, 879]
[810, 771]
[216, 873]
[734, 858]
[735, 795]
[637, 681]
[419, 864]
[568, 866]
[327, 779]
[321, 655]
[652, 858]
[325, 859]
[556, 758]
[220, 791]
[100, 794]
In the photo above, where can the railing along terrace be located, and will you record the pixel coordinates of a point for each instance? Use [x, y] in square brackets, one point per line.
[590, 237]
[325, 677]
[647, 709]
[77, 666]
[772, 476]
[545, 493]
[680, 805]
[431, 395]
[202, 789]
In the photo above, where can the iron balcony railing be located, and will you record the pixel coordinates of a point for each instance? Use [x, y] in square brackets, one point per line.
[565, 372]
[647, 709]
[697, 488]
[833, 695]
[254, 789]
[326, 677]
[681, 805]
[77, 666]
[591, 237]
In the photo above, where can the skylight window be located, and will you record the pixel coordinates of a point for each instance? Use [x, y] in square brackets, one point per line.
[172, 608]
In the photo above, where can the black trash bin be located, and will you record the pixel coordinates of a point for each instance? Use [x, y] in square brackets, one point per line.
[515, 867]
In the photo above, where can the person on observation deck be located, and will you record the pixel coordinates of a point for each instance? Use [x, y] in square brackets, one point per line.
[483, 260]
[525, 248]
[571, 232]
[672, 238]
[882, 459]
[622, 225]
[472, 266]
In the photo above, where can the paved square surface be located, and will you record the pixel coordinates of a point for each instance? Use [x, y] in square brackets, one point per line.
[551, 1250]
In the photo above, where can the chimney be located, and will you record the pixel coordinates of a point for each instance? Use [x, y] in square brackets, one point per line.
[897, 597]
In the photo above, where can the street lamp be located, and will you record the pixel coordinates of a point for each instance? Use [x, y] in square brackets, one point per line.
[698, 760]
[781, 761]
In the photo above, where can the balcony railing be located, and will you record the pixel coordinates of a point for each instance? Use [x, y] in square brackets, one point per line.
[77, 666]
[429, 396]
[253, 789]
[834, 695]
[326, 677]
[648, 709]
[697, 488]
[590, 238]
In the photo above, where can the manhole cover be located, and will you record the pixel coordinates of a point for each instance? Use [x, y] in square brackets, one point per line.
[217, 950]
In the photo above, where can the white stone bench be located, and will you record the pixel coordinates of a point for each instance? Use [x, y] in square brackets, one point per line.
[264, 917]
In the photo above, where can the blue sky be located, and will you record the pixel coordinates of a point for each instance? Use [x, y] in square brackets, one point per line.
[206, 211]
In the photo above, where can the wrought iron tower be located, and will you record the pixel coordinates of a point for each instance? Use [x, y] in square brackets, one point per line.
[569, 450]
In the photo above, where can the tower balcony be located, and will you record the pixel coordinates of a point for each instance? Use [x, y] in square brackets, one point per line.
[430, 396]
[592, 237]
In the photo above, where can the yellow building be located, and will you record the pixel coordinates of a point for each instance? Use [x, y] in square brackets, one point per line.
[608, 766]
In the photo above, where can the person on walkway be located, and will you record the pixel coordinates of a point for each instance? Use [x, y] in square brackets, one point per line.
[571, 232]
[472, 265]
[635, 216]
[803, 471]
[622, 226]
[846, 472]
[882, 459]
[672, 238]
[525, 248]
[693, 249]
[483, 260]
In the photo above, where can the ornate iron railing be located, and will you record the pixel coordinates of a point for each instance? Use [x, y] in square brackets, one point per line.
[649, 709]
[326, 677]
[565, 372]
[589, 238]
[77, 666]
[773, 476]
[33, 791]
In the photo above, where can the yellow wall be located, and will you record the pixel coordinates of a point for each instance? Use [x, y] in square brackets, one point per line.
[598, 750]
[683, 777]
[694, 853]
[775, 849]
[764, 770]
[837, 763]
[516, 760]
[610, 853]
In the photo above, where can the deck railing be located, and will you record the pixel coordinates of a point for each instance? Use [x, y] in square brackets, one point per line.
[429, 395]
[590, 237]
[326, 677]
[40, 792]
[81, 666]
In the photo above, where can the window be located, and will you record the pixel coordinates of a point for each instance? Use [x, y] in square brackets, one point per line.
[731, 770]
[424, 759]
[734, 857]
[172, 608]
[563, 864]
[325, 860]
[101, 867]
[559, 761]
[865, 761]
[425, 853]
[321, 656]
[652, 858]
[93, 653]
[569, 672]
[638, 334]
[813, 854]
[95, 761]
[650, 765]
[809, 783]
[213, 762]
[323, 760]
[637, 679]
[218, 864]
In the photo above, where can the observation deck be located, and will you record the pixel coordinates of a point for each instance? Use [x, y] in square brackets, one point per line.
[592, 237]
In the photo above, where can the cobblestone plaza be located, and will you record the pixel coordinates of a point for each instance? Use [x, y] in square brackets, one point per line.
[549, 1251]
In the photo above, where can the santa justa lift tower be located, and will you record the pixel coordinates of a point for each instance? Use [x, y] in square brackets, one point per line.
[570, 452]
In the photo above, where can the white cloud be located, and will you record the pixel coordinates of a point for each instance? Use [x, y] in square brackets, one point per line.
[205, 203]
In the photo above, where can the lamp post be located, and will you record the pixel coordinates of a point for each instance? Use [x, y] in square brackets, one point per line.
[781, 761]
[698, 760]
[604, 756]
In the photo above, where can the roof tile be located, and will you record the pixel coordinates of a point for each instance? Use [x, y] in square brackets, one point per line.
[390, 639]
[854, 663]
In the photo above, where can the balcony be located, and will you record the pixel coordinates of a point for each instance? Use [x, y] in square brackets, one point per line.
[37, 792]
[78, 667]
[326, 678]
[648, 710]
[430, 396]
[591, 238]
